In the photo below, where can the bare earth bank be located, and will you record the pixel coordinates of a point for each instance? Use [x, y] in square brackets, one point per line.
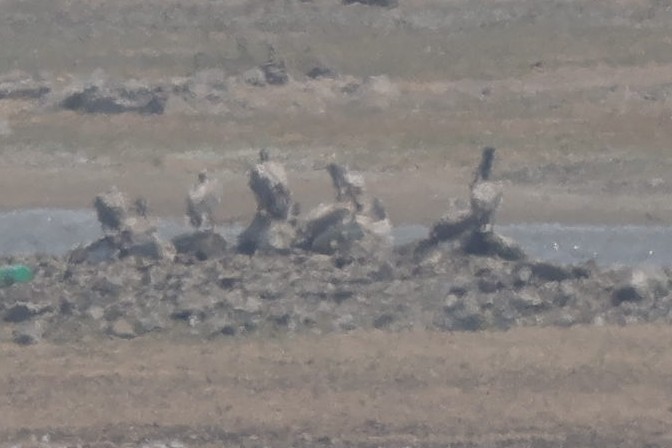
[525, 387]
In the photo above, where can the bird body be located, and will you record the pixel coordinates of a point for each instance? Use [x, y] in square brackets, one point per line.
[268, 182]
[111, 210]
[349, 185]
[202, 199]
[486, 195]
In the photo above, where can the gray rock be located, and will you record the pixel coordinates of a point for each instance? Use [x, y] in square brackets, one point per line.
[22, 311]
[96, 99]
[266, 235]
[147, 246]
[96, 312]
[493, 245]
[641, 285]
[319, 72]
[468, 317]
[103, 250]
[28, 333]
[21, 86]
[452, 225]
[550, 272]
[204, 245]
[121, 328]
[275, 72]
[338, 229]
[528, 302]
[254, 77]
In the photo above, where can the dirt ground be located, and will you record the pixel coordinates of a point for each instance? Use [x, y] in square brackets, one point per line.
[526, 387]
[576, 97]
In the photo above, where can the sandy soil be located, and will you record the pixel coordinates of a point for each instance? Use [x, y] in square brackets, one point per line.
[525, 387]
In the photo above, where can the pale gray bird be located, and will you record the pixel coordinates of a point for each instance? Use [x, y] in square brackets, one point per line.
[349, 185]
[486, 195]
[268, 182]
[112, 210]
[202, 200]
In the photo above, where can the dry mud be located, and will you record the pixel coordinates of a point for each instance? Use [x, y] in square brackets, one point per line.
[532, 387]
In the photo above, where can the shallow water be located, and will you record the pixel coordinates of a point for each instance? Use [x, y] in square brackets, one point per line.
[56, 231]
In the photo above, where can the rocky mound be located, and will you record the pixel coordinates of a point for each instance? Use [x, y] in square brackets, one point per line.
[303, 292]
[334, 269]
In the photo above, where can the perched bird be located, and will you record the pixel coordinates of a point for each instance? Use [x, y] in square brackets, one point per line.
[484, 168]
[349, 185]
[486, 195]
[268, 182]
[202, 199]
[112, 210]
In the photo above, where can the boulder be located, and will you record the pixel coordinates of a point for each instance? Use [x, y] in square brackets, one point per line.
[319, 72]
[100, 251]
[337, 229]
[273, 72]
[147, 245]
[490, 244]
[28, 333]
[22, 311]
[266, 235]
[21, 86]
[254, 77]
[97, 99]
[639, 285]
[203, 245]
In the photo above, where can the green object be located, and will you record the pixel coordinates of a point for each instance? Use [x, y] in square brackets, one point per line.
[18, 273]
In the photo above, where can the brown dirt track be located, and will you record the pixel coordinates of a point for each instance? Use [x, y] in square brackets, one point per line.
[525, 387]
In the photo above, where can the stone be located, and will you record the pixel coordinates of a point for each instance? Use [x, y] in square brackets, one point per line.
[452, 225]
[275, 72]
[550, 272]
[493, 245]
[254, 77]
[319, 72]
[28, 333]
[266, 235]
[641, 285]
[101, 99]
[204, 245]
[22, 311]
[121, 328]
[21, 86]
[103, 250]
[149, 247]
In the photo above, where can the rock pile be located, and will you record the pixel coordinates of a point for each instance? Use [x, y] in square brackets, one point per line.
[126, 234]
[334, 270]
